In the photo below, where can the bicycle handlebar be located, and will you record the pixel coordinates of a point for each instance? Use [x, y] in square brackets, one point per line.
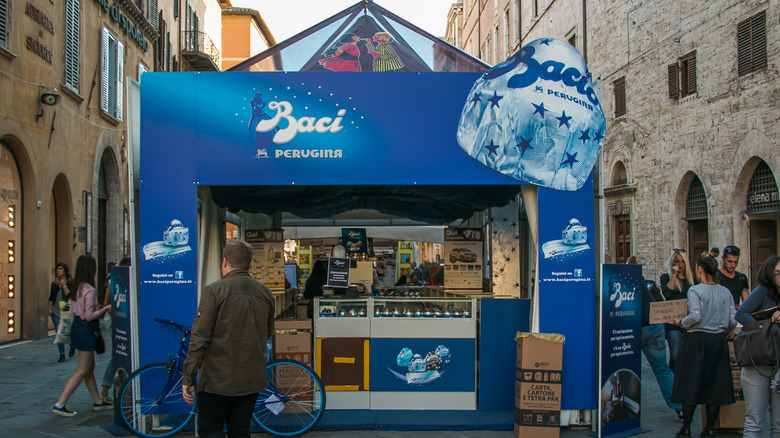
[178, 326]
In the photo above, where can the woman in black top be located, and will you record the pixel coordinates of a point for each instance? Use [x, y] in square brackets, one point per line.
[59, 291]
[317, 279]
[674, 286]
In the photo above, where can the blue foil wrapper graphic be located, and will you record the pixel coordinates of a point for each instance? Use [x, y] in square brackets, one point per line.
[535, 117]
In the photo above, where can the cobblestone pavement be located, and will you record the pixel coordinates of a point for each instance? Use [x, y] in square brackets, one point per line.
[31, 381]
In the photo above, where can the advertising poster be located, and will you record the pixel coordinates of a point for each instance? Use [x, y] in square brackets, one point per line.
[304, 262]
[567, 287]
[338, 272]
[423, 364]
[621, 348]
[267, 257]
[121, 345]
[463, 258]
[404, 258]
[354, 240]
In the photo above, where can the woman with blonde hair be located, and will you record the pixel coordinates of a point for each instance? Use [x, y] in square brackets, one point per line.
[674, 286]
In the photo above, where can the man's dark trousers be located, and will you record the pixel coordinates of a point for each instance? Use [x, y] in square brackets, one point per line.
[215, 412]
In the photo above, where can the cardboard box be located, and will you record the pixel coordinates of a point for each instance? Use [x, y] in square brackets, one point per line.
[292, 340]
[538, 385]
[731, 416]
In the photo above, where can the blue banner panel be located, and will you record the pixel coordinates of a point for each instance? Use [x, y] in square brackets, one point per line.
[168, 226]
[419, 365]
[310, 128]
[621, 346]
[121, 331]
[567, 287]
[354, 240]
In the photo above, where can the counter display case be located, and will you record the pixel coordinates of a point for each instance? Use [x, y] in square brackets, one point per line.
[397, 346]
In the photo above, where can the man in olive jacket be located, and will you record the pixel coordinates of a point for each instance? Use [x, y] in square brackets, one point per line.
[228, 347]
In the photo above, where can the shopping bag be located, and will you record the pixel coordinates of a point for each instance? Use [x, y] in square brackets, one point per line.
[756, 344]
[63, 330]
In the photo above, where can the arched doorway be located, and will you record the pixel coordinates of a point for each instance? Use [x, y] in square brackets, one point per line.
[109, 219]
[62, 238]
[11, 290]
[696, 217]
[763, 210]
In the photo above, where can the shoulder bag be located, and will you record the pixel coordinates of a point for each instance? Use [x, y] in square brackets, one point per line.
[100, 344]
[756, 344]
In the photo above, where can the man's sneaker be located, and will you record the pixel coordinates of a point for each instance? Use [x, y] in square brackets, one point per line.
[63, 411]
[102, 406]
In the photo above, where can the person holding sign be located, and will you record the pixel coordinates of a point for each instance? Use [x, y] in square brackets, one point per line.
[703, 375]
[757, 381]
[674, 286]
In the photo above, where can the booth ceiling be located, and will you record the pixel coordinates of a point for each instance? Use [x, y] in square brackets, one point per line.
[365, 37]
[429, 204]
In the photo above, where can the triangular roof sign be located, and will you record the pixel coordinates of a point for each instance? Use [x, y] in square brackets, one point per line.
[363, 37]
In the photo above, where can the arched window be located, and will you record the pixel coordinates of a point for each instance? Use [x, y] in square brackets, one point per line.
[696, 215]
[762, 191]
[619, 176]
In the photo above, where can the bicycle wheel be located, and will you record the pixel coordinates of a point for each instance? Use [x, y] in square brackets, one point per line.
[292, 403]
[151, 403]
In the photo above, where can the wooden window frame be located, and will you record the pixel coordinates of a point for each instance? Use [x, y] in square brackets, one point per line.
[751, 44]
[681, 77]
[619, 87]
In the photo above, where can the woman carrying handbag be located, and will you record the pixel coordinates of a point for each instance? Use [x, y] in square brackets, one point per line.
[756, 380]
[85, 308]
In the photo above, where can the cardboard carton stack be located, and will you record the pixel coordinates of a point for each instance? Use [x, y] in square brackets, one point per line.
[538, 385]
[292, 340]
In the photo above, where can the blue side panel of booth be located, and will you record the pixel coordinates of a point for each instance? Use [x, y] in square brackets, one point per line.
[567, 288]
[168, 228]
[500, 320]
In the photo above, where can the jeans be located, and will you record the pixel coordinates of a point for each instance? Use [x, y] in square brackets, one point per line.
[55, 319]
[654, 348]
[217, 411]
[758, 400]
[674, 338]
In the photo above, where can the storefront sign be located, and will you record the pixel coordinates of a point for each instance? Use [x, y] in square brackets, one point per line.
[767, 197]
[621, 345]
[39, 49]
[130, 28]
[40, 18]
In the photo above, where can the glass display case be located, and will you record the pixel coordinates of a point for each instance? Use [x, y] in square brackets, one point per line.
[342, 307]
[422, 308]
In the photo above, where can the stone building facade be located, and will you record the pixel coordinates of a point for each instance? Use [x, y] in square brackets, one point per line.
[690, 95]
[64, 69]
[690, 153]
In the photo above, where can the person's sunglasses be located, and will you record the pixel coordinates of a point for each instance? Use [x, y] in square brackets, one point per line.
[679, 251]
[731, 250]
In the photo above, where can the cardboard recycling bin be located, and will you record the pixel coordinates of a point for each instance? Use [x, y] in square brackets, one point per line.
[538, 385]
[292, 340]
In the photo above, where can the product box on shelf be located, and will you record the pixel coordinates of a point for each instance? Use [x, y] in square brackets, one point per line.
[538, 385]
[292, 340]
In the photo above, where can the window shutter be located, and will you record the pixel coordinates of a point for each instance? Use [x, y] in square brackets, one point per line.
[674, 89]
[758, 36]
[620, 97]
[152, 14]
[72, 33]
[4, 23]
[692, 75]
[120, 74]
[141, 70]
[104, 70]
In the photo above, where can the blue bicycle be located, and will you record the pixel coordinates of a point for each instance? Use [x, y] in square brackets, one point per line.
[151, 402]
